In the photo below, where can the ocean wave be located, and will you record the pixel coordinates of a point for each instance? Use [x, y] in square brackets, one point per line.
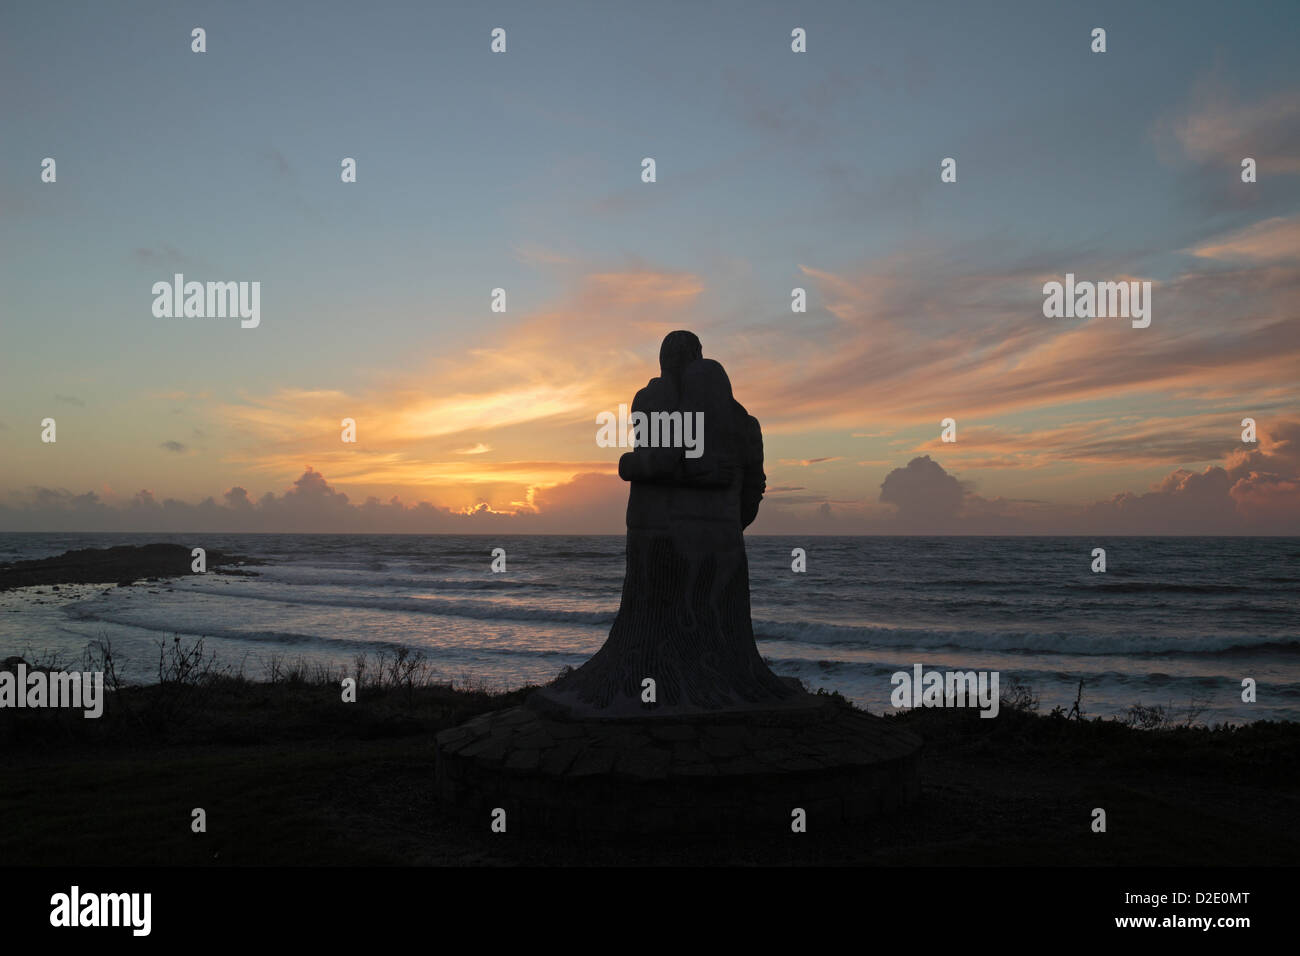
[482, 610]
[1160, 587]
[291, 639]
[1126, 645]
[1028, 641]
[316, 577]
[208, 629]
[368, 580]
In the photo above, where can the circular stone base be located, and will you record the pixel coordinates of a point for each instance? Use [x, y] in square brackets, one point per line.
[701, 773]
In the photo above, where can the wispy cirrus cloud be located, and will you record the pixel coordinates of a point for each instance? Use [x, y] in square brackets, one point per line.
[1275, 240]
[917, 336]
[1218, 128]
[516, 391]
[917, 341]
[806, 462]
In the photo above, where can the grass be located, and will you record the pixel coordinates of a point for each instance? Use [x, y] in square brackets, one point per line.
[290, 775]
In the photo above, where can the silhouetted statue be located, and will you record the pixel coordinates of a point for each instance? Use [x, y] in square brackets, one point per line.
[726, 745]
[684, 621]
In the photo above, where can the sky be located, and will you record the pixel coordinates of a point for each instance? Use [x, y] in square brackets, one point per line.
[775, 170]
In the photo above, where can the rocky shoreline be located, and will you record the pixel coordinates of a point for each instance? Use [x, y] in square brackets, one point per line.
[122, 565]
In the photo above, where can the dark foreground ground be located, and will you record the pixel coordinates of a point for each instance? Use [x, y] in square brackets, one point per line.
[288, 774]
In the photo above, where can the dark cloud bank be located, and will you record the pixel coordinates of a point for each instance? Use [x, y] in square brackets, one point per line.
[1254, 491]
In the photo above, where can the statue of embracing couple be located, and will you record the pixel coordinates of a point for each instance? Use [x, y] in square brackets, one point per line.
[684, 620]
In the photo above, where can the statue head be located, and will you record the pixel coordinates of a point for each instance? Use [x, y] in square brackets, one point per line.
[679, 350]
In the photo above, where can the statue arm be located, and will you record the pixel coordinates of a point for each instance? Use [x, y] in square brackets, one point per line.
[645, 463]
[753, 482]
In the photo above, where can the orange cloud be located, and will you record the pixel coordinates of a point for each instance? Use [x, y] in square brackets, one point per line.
[533, 390]
[805, 462]
[618, 289]
[925, 342]
[1131, 442]
[1273, 240]
[892, 345]
[1214, 129]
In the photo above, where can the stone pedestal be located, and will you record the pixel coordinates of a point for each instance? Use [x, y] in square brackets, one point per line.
[741, 773]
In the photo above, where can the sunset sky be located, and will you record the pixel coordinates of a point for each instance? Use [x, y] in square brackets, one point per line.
[523, 171]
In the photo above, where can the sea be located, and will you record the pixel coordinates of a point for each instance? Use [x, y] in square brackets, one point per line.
[1172, 622]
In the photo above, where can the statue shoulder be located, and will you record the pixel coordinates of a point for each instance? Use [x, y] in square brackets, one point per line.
[750, 427]
[657, 395]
